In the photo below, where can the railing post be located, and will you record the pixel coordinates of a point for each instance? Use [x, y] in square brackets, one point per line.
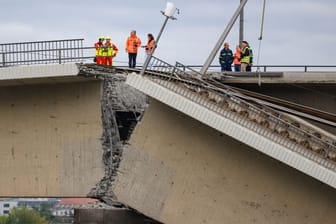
[3, 59]
[59, 56]
[305, 68]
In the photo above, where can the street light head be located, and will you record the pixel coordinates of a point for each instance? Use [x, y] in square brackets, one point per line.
[170, 9]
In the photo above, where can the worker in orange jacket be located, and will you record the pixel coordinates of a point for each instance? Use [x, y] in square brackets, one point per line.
[236, 59]
[132, 45]
[149, 46]
[99, 51]
[110, 51]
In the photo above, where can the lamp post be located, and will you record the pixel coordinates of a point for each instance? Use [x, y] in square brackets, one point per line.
[168, 13]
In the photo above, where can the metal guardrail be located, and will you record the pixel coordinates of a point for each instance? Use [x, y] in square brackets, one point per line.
[278, 68]
[43, 52]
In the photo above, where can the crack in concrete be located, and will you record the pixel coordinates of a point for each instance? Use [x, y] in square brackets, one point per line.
[122, 108]
[116, 97]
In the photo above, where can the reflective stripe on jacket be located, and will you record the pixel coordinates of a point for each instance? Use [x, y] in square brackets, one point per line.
[109, 49]
[226, 56]
[99, 48]
[245, 56]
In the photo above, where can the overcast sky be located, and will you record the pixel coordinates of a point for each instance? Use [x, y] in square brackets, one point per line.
[295, 32]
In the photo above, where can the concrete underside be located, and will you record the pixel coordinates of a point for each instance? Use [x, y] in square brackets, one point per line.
[50, 139]
[178, 170]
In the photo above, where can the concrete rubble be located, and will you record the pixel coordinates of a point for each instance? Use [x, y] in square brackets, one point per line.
[116, 97]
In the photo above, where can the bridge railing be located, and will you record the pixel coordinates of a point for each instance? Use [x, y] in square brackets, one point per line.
[277, 68]
[265, 116]
[73, 50]
[179, 70]
[44, 52]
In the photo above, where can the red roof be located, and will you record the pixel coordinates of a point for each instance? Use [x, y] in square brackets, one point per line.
[76, 201]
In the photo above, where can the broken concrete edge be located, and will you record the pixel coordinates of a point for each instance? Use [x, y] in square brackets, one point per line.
[112, 145]
[94, 70]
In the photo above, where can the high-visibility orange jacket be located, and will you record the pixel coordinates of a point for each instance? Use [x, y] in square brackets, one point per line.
[236, 57]
[150, 46]
[132, 44]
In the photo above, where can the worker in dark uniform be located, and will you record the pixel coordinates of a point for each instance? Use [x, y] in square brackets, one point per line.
[226, 58]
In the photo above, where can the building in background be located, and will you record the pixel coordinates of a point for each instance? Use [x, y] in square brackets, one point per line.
[63, 212]
[38, 203]
[6, 204]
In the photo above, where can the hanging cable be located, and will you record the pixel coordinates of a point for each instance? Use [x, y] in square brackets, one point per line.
[260, 39]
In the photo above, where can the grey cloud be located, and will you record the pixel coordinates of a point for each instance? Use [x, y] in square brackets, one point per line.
[290, 27]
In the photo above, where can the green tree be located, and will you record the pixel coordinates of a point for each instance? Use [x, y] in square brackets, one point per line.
[45, 211]
[3, 219]
[23, 215]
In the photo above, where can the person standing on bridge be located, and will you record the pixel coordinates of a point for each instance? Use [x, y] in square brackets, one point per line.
[249, 67]
[226, 58]
[132, 45]
[149, 46]
[245, 57]
[236, 59]
[110, 51]
[99, 51]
